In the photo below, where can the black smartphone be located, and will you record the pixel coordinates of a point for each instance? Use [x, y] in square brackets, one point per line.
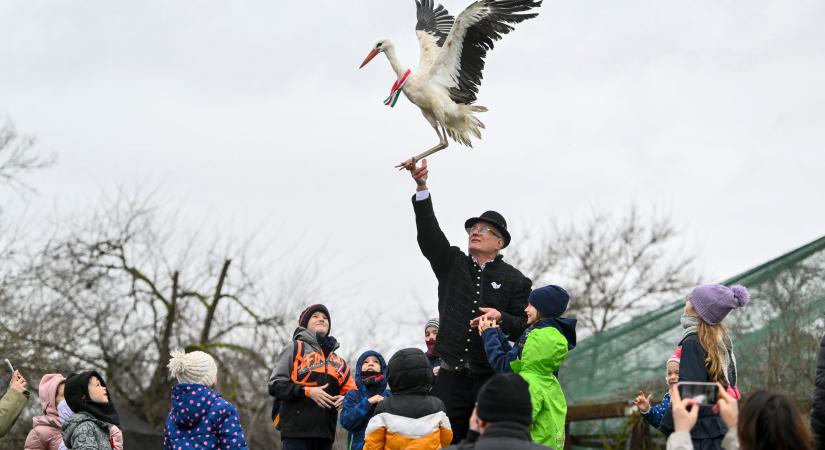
[704, 394]
[8, 365]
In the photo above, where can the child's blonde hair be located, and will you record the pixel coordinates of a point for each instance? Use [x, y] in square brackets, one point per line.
[716, 341]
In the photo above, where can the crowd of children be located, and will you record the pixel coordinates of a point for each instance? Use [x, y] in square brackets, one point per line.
[390, 405]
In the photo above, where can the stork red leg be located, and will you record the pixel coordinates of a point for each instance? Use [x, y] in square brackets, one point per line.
[442, 144]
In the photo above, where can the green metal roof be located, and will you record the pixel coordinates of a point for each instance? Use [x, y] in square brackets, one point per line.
[779, 328]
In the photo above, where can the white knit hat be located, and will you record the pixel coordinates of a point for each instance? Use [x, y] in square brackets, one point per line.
[193, 368]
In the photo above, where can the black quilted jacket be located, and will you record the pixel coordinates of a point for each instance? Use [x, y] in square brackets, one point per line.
[464, 287]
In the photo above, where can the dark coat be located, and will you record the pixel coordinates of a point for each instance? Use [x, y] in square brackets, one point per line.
[410, 377]
[464, 287]
[501, 435]
[83, 431]
[709, 428]
[818, 403]
[410, 418]
[303, 364]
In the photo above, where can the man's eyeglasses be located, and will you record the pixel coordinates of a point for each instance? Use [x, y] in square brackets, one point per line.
[483, 229]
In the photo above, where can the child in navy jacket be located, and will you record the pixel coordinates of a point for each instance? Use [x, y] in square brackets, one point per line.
[200, 417]
[359, 404]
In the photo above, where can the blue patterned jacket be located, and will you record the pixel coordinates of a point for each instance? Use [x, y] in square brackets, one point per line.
[655, 414]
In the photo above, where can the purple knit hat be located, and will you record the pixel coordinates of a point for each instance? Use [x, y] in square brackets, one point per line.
[714, 301]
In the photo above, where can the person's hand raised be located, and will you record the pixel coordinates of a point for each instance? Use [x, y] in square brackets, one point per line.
[321, 397]
[642, 402]
[419, 174]
[18, 383]
[685, 412]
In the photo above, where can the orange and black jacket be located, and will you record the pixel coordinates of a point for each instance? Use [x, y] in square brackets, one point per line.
[301, 365]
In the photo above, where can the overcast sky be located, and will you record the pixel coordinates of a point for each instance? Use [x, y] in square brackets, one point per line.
[711, 110]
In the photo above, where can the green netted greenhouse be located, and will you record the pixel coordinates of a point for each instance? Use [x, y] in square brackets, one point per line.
[776, 338]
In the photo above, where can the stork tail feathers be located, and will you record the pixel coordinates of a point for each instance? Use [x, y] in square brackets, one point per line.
[469, 125]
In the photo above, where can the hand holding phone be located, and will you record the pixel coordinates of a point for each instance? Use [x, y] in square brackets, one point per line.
[18, 383]
[728, 408]
[685, 411]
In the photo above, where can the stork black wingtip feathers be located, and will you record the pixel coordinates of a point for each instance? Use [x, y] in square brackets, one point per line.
[480, 37]
[434, 20]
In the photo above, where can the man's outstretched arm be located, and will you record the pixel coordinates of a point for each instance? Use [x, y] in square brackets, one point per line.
[431, 240]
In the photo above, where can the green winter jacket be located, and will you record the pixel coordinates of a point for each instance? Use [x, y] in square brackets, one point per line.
[544, 352]
[11, 405]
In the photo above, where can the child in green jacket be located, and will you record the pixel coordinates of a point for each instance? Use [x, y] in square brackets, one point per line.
[537, 356]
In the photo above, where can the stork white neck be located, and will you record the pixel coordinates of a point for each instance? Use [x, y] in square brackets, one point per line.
[396, 65]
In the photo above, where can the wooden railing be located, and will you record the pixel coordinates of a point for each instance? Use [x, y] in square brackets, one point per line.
[637, 438]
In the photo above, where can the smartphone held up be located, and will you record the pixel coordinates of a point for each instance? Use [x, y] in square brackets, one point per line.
[705, 394]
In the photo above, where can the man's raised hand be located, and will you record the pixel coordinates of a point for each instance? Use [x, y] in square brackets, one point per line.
[419, 173]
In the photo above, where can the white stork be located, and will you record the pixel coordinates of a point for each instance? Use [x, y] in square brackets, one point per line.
[452, 59]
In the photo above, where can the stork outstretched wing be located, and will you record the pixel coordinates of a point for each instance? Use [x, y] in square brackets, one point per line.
[433, 26]
[460, 60]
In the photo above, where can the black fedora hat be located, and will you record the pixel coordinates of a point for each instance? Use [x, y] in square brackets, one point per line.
[493, 218]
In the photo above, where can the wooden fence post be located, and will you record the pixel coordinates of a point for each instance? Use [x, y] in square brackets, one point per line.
[640, 436]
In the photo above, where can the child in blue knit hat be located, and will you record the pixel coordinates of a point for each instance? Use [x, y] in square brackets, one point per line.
[537, 356]
[545, 306]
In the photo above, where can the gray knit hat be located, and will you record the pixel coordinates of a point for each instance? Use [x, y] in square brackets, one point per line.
[432, 323]
[193, 368]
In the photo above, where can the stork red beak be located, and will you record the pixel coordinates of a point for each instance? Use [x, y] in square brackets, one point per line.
[369, 57]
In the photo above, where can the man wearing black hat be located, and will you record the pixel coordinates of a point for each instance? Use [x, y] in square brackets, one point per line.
[468, 285]
[503, 416]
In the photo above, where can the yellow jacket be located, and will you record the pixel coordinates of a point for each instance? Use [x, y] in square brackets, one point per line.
[387, 431]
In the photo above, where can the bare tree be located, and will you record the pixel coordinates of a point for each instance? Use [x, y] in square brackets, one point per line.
[18, 157]
[615, 268]
[121, 288]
